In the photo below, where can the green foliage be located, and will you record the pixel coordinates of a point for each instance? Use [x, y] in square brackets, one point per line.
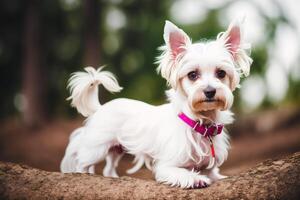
[128, 51]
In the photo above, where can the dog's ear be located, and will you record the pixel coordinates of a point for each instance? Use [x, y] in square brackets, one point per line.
[177, 42]
[176, 39]
[233, 40]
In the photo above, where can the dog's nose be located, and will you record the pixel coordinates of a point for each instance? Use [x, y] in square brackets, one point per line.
[209, 92]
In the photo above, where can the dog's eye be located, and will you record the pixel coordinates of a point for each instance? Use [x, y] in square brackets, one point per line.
[193, 75]
[220, 73]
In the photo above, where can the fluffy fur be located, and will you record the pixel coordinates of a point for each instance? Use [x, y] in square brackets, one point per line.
[176, 154]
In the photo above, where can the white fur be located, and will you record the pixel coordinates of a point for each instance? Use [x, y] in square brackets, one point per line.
[84, 89]
[154, 134]
[243, 61]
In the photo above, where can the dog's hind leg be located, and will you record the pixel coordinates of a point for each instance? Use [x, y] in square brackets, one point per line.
[87, 157]
[112, 161]
[91, 169]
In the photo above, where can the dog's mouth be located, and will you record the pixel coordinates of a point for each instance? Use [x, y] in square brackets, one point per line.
[208, 104]
[210, 100]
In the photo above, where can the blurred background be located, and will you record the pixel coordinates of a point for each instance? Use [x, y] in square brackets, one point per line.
[42, 42]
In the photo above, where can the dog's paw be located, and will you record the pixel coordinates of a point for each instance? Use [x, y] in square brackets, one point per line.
[200, 182]
[180, 177]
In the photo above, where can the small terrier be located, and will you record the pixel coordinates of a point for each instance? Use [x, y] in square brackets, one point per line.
[183, 141]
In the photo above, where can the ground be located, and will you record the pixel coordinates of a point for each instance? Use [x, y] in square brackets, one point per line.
[273, 179]
[43, 148]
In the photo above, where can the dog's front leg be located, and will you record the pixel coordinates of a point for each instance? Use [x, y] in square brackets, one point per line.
[181, 177]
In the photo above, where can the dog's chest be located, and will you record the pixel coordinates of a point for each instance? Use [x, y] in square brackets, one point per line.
[192, 165]
[200, 161]
[196, 155]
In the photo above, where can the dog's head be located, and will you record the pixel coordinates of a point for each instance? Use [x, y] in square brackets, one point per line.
[206, 73]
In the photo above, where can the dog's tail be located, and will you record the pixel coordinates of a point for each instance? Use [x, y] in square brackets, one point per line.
[84, 89]
[68, 163]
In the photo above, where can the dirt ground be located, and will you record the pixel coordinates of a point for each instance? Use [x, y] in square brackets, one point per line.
[44, 148]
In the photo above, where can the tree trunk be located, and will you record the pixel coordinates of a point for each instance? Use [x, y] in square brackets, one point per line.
[91, 24]
[272, 179]
[91, 13]
[33, 80]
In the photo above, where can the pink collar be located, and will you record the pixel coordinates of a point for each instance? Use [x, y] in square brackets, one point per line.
[206, 131]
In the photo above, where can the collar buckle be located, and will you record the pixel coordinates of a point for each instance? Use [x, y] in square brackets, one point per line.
[215, 130]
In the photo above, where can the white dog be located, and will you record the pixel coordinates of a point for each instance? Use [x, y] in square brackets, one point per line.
[183, 141]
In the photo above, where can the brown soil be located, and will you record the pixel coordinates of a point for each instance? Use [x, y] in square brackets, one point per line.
[270, 180]
[44, 148]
